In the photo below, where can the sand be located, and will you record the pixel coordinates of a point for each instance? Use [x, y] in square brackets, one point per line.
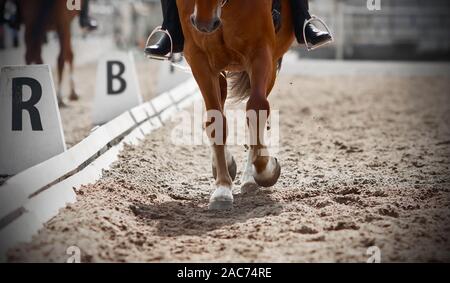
[365, 162]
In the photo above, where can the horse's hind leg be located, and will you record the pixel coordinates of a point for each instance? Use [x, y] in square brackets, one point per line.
[73, 94]
[65, 55]
[61, 64]
[261, 169]
[33, 48]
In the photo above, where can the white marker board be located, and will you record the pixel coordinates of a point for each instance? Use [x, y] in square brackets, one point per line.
[117, 88]
[30, 123]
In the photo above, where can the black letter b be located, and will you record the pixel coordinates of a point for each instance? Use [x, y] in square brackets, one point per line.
[118, 76]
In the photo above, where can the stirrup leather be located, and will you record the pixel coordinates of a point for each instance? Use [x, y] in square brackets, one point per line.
[312, 47]
[168, 56]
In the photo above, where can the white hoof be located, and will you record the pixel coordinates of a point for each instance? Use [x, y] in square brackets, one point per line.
[249, 184]
[221, 199]
[61, 103]
[249, 187]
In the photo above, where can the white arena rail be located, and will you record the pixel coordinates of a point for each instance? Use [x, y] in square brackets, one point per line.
[32, 197]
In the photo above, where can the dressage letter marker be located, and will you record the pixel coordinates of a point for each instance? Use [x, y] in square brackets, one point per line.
[118, 76]
[18, 104]
[117, 87]
[30, 124]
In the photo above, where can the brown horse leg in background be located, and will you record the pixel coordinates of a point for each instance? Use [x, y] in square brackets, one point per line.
[62, 25]
[66, 56]
[59, 18]
[239, 38]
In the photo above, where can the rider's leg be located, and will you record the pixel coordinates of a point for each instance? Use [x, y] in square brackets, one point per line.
[172, 25]
[314, 36]
[85, 20]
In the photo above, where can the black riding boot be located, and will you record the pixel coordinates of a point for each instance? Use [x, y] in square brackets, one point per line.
[172, 25]
[314, 36]
[86, 21]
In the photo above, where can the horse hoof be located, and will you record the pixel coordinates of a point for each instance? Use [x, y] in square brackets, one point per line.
[270, 175]
[232, 169]
[249, 187]
[61, 103]
[220, 205]
[74, 97]
[221, 199]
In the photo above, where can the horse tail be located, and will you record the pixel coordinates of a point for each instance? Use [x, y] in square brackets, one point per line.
[240, 84]
[42, 19]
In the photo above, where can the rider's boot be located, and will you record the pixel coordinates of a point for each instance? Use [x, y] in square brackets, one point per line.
[164, 47]
[86, 22]
[305, 31]
[316, 37]
[171, 39]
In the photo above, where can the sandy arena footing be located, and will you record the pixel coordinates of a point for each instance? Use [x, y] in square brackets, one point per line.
[365, 162]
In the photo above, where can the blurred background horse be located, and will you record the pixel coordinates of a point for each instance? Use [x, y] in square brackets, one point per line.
[39, 17]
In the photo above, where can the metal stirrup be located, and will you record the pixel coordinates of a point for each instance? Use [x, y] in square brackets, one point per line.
[160, 57]
[312, 19]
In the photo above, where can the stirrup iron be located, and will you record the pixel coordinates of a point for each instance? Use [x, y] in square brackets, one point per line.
[312, 47]
[166, 57]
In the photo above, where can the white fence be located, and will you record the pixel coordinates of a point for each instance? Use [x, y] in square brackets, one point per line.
[32, 197]
[427, 29]
[421, 25]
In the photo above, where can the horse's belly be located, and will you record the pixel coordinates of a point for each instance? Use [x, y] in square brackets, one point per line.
[226, 59]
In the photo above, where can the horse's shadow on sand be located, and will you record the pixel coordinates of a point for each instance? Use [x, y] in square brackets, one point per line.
[192, 217]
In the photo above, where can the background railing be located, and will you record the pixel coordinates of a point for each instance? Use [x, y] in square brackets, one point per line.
[402, 29]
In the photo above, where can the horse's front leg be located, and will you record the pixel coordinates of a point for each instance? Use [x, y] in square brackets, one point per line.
[216, 128]
[231, 162]
[261, 169]
[69, 59]
[65, 56]
[62, 57]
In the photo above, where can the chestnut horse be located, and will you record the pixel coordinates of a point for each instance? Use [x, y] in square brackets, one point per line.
[236, 39]
[39, 17]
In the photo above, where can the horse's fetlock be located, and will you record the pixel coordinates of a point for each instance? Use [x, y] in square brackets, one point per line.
[258, 103]
[260, 163]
